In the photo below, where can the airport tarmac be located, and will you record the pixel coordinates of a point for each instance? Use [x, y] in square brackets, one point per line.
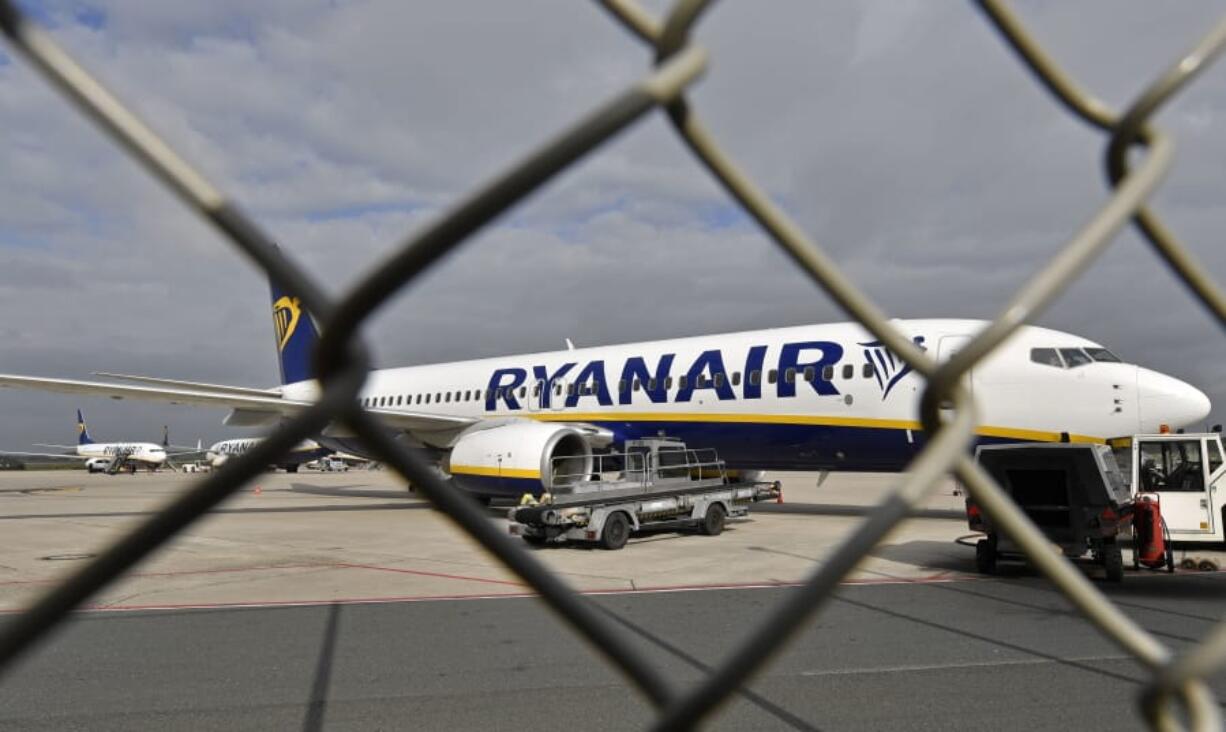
[359, 535]
[338, 599]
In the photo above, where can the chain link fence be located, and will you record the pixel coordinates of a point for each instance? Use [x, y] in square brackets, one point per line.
[1176, 694]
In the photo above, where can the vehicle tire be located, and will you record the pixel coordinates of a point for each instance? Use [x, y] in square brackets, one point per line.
[1113, 562]
[985, 557]
[1170, 560]
[291, 468]
[535, 540]
[616, 531]
[713, 523]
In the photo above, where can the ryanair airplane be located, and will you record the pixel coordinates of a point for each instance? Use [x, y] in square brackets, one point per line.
[110, 456]
[820, 397]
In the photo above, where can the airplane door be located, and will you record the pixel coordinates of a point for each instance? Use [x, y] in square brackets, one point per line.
[948, 345]
[1175, 469]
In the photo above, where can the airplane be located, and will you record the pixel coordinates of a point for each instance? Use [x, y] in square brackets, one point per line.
[104, 456]
[305, 452]
[820, 397]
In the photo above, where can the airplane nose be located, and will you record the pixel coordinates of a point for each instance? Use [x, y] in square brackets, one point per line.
[1167, 400]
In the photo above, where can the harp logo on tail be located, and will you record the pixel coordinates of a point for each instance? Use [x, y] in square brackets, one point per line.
[286, 313]
[888, 368]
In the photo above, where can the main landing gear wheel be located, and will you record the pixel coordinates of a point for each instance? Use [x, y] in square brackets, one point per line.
[616, 532]
[713, 523]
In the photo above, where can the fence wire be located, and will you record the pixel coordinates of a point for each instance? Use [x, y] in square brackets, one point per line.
[1176, 694]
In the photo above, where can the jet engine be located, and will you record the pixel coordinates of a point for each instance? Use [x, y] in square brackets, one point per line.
[521, 457]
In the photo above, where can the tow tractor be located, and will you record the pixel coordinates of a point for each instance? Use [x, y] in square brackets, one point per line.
[1186, 474]
[654, 483]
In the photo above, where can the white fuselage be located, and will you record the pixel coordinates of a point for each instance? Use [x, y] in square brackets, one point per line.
[141, 452]
[809, 397]
[220, 452]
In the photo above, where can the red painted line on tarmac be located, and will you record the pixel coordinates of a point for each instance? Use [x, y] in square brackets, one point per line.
[424, 573]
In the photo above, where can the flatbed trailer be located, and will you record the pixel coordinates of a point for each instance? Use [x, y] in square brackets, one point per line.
[654, 484]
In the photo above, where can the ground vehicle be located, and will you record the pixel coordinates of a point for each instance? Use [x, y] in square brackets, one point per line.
[1187, 473]
[655, 483]
[1074, 493]
[98, 465]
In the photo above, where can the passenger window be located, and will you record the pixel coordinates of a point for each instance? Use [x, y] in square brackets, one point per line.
[772, 376]
[681, 382]
[621, 386]
[536, 390]
[523, 392]
[810, 373]
[447, 397]
[557, 390]
[868, 371]
[701, 381]
[1075, 357]
[1102, 355]
[736, 378]
[848, 371]
[1172, 465]
[427, 399]
[790, 376]
[828, 373]
[570, 390]
[637, 385]
[719, 380]
[755, 377]
[668, 383]
[438, 397]
[651, 384]
[417, 399]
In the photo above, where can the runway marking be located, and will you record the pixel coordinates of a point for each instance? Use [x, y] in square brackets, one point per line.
[911, 668]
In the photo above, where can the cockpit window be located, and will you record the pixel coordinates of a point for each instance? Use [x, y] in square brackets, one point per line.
[1046, 356]
[1102, 355]
[1075, 357]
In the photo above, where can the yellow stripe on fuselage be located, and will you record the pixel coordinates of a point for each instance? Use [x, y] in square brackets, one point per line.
[495, 472]
[799, 419]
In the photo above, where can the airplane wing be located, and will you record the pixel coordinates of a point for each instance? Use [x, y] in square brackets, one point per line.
[193, 385]
[61, 455]
[268, 405]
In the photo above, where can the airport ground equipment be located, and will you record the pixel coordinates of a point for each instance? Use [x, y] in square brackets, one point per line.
[653, 484]
[1185, 472]
[1074, 493]
[1151, 540]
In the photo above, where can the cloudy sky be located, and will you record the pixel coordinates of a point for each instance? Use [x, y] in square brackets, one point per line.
[904, 137]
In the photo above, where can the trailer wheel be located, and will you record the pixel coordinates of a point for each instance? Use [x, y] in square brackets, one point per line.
[985, 557]
[616, 531]
[713, 523]
[1113, 562]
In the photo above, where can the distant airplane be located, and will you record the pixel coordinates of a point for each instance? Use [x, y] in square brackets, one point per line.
[819, 397]
[304, 452]
[108, 456]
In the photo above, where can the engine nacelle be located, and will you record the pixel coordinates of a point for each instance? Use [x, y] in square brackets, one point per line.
[519, 458]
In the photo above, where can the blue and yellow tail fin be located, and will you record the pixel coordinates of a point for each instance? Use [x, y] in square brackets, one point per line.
[296, 336]
[83, 437]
